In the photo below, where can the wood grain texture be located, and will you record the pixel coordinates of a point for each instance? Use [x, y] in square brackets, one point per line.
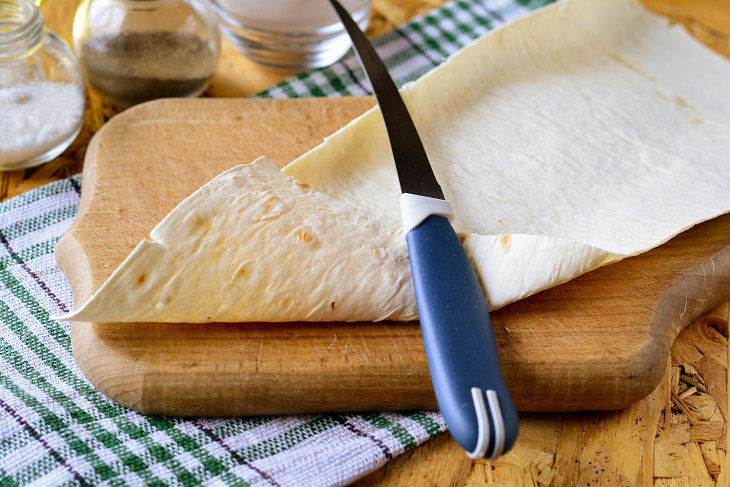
[597, 342]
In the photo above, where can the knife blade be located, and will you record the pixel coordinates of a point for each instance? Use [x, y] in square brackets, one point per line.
[457, 331]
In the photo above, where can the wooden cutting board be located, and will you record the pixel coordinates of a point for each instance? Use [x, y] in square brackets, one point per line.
[600, 341]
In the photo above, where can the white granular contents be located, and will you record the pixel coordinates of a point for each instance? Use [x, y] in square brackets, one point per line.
[35, 117]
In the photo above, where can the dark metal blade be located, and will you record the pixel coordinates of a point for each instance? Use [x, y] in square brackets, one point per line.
[414, 171]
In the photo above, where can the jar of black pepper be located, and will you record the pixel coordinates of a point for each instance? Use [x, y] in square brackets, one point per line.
[138, 50]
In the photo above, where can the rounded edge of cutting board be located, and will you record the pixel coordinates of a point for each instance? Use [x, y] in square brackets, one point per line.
[600, 341]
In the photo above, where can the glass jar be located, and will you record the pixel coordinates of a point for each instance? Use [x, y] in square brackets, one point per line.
[138, 50]
[289, 34]
[42, 92]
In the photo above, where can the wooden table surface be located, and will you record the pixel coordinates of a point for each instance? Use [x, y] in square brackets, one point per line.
[677, 436]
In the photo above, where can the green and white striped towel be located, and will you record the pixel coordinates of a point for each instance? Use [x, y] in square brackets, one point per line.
[56, 429]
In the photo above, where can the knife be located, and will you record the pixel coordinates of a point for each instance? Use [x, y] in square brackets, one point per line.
[457, 332]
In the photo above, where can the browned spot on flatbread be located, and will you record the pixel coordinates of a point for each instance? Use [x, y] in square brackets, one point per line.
[302, 185]
[269, 203]
[141, 279]
[682, 102]
[504, 241]
[241, 272]
[304, 236]
[199, 224]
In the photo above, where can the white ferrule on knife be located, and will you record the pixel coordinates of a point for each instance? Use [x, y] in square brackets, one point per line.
[415, 208]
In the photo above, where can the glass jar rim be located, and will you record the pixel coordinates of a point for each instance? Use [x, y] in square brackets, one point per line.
[21, 28]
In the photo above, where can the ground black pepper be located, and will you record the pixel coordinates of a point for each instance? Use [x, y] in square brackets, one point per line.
[132, 67]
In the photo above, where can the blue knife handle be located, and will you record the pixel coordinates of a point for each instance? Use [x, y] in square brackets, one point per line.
[459, 340]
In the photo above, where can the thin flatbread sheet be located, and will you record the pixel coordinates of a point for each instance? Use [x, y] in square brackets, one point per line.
[255, 243]
[576, 136]
[581, 134]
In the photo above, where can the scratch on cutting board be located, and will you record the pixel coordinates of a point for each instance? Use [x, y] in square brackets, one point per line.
[334, 340]
[579, 338]
[394, 341]
[397, 348]
[347, 345]
[686, 293]
[365, 350]
[261, 352]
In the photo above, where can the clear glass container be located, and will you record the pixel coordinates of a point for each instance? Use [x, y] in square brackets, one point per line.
[289, 34]
[42, 92]
[138, 50]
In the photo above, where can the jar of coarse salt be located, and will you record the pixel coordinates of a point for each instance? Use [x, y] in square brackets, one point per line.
[42, 91]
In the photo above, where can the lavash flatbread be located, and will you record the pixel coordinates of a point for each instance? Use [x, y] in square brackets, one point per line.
[253, 244]
[581, 134]
[588, 131]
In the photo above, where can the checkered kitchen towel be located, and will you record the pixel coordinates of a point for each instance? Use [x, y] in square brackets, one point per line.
[55, 429]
